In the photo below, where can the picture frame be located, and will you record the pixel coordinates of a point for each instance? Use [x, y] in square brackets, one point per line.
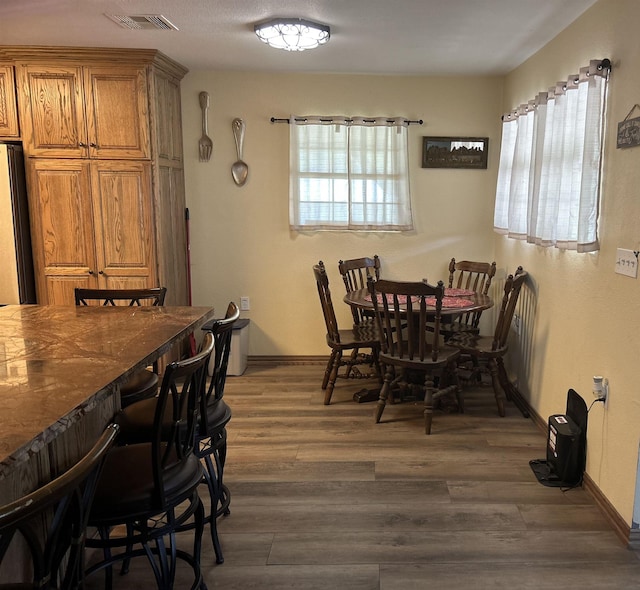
[629, 130]
[455, 152]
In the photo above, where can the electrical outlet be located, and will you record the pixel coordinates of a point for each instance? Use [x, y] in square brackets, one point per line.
[245, 304]
[627, 263]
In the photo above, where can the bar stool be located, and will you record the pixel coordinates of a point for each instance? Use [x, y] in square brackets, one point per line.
[58, 560]
[136, 423]
[143, 384]
[150, 489]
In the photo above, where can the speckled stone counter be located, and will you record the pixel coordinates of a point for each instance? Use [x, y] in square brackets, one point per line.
[60, 370]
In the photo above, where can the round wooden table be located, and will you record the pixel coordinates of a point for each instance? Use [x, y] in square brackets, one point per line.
[450, 305]
[455, 303]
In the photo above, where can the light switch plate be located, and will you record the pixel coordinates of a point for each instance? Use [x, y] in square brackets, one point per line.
[627, 263]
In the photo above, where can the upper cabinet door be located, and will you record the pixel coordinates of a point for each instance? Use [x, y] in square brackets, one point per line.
[117, 113]
[80, 112]
[8, 108]
[52, 109]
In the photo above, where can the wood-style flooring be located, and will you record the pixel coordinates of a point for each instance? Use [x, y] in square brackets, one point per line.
[323, 498]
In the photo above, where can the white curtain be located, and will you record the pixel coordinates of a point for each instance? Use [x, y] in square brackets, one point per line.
[549, 177]
[349, 174]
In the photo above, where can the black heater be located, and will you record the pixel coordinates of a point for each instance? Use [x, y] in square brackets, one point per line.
[566, 446]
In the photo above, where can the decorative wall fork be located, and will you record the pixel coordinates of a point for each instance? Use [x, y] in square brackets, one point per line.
[205, 145]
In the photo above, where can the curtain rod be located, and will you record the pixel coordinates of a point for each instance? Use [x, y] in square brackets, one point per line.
[330, 120]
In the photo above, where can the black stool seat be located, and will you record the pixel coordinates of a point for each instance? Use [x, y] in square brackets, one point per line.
[126, 486]
[136, 421]
[141, 385]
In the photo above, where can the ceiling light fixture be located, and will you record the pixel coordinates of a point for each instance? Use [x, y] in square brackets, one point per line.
[292, 34]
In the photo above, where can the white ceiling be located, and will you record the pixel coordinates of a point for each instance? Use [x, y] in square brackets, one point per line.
[455, 37]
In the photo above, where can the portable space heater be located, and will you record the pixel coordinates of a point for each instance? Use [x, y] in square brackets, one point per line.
[566, 446]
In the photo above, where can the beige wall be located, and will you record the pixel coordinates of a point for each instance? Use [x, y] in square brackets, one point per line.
[241, 242]
[582, 318]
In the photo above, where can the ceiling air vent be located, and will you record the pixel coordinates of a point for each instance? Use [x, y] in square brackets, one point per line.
[143, 21]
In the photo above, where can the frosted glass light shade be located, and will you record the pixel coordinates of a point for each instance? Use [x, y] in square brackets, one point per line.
[292, 34]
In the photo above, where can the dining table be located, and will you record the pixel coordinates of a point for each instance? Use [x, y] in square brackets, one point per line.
[454, 303]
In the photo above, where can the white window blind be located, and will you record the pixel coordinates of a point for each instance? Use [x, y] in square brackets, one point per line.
[349, 174]
[549, 177]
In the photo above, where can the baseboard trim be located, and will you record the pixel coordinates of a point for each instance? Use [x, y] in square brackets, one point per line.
[620, 527]
[286, 360]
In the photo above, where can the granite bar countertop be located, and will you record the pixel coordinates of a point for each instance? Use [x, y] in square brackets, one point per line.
[56, 361]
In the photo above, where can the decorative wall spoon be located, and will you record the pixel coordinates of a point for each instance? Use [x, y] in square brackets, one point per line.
[239, 169]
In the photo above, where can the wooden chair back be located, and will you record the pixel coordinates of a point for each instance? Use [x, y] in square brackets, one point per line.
[322, 282]
[512, 287]
[131, 297]
[408, 316]
[476, 276]
[355, 274]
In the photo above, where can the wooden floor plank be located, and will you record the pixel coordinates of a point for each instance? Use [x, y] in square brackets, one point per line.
[452, 547]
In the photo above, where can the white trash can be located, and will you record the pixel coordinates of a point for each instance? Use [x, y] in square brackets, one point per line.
[239, 349]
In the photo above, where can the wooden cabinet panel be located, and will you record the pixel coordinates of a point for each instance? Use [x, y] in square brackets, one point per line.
[62, 226]
[92, 226]
[52, 108]
[117, 113]
[79, 112]
[8, 108]
[172, 249]
[169, 117]
[102, 133]
[124, 229]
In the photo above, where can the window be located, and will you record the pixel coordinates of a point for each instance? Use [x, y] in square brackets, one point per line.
[549, 177]
[349, 174]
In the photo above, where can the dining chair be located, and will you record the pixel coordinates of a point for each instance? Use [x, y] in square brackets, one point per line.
[355, 273]
[142, 384]
[361, 336]
[57, 557]
[148, 490]
[414, 358]
[467, 275]
[137, 423]
[487, 352]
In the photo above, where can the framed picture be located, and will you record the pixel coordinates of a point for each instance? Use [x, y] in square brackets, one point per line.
[455, 152]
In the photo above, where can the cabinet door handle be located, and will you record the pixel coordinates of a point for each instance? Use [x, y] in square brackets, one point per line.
[101, 272]
[90, 272]
[93, 145]
[82, 144]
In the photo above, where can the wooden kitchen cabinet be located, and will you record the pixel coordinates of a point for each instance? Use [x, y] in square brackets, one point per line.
[8, 108]
[102, 137]
[84, 111]
[93, 225]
